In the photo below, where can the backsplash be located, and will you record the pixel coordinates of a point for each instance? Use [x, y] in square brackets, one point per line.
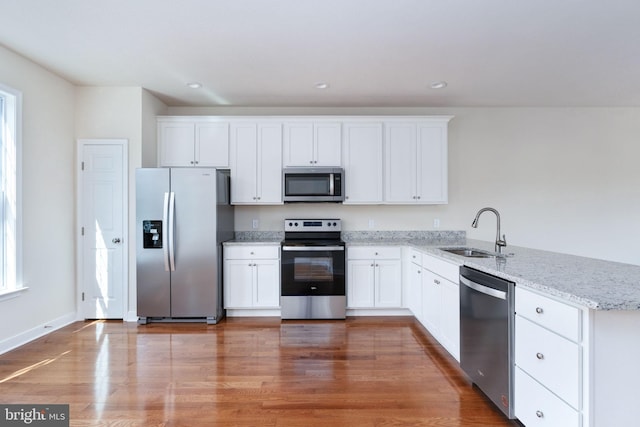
[257, 236]
[444, 237]
[436, 237]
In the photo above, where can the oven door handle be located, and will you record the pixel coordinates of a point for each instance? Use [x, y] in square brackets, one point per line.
[313, 248]
[483, 289]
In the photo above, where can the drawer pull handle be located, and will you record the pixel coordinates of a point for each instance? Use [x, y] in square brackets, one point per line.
[436, 281]
[539, 310]
[539, 414]
[540, 356]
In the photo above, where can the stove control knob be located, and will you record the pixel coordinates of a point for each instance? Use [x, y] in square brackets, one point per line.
[290, 224]
[328, 224]
[296, 224]
[335, 225]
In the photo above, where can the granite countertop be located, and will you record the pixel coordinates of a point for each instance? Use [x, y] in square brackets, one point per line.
[252, 238]
[589, 282]
[257, 242]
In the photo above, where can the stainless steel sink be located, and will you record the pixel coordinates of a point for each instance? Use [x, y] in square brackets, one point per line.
[471, 252]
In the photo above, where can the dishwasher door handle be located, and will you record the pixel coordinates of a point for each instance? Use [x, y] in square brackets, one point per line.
[483, 289]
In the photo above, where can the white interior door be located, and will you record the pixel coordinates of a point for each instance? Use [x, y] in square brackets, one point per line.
[102, 214]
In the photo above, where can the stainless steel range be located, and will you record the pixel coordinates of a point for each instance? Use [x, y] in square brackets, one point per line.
[313, 270]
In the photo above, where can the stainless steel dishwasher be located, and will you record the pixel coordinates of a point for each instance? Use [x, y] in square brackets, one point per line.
[486, 335]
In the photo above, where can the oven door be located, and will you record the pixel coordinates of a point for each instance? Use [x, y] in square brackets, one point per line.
[312, 270]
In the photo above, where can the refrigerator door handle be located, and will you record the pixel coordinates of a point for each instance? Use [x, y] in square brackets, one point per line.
[172, 212]
[165, 231]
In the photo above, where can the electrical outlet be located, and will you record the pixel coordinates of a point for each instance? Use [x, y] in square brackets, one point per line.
[372, 223]
[255, 223]
[436, 223]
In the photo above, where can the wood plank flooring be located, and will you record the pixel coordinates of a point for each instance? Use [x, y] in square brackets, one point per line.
[247, 372]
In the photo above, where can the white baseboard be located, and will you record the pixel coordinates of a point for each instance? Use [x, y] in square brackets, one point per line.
[36, 332]
[131, 316]
[355, 312]
[254, 312]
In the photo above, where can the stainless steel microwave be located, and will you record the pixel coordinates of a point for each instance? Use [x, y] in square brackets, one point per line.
[313, 185]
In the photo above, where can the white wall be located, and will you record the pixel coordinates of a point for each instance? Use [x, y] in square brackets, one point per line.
[563, 179]
[151, 108]
[115, 112]
[48, 202]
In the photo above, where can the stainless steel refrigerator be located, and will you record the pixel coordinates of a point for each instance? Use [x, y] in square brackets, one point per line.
[182, 217]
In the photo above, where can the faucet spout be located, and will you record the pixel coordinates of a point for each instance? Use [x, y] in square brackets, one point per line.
[500, 242]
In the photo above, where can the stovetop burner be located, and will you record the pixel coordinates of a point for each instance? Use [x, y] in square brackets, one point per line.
[312, 232]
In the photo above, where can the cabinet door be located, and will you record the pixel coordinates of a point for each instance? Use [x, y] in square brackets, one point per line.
[388, 283]
[212, 145]
[175, 144]
[432, 164]
[267, 287]
[269, 164]
[244, 163]
[362, 156]
[431, 302]
[238, 283]
[400, 163]
[450, 317]
[328, 144]
[298, 144]
[415, 290]
[360, 284]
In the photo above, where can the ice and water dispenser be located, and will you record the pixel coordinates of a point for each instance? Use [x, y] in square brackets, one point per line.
[151, 234]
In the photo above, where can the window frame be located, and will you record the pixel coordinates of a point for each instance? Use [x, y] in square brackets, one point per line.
[11, 282]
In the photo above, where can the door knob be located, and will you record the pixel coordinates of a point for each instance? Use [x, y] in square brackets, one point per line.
[116, 240]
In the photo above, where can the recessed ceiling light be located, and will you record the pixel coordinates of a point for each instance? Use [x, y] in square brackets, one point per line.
[194, 85]
[322, 85]
[441, 84]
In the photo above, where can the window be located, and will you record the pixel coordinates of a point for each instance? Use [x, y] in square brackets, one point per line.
[10, 211]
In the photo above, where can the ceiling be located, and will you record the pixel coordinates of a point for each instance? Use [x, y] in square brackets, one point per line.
[370, 52]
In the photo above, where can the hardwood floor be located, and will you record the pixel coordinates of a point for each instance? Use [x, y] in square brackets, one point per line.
[247, 372]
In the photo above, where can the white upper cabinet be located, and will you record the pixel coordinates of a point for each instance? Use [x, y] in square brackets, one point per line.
[202, 142]
[362, 156]
[416, 161]
[386, 159]
[312, 144]
[256, 163]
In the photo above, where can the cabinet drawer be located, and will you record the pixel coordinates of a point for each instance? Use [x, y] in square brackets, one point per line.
[374, 252]
[561, 318]
[448, 270]
[415, 257]
[537, 406]
[252, 252]
[549, 358]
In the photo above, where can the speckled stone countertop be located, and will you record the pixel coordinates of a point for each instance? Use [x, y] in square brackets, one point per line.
[252, 238]
[589, 282]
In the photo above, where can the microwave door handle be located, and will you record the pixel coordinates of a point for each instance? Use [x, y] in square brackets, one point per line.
[331, 185]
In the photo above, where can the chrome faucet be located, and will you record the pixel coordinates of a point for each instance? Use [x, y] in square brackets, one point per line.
[500, 243]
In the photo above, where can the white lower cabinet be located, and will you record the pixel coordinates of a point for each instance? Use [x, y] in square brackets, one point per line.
[251, 277]
[374, 277]
[549, 365]
[537, 406]
[414, 292]
[440, 296]
[434, 298]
